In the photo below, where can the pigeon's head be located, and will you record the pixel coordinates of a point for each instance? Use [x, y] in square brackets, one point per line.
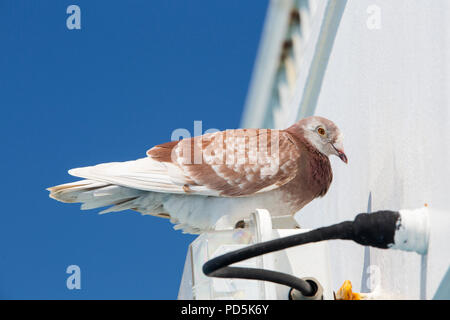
[324, 135]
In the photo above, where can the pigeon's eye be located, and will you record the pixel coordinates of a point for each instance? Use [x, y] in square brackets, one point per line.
[321, 131]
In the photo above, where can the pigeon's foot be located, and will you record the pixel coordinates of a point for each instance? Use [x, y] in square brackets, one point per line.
[240, 224]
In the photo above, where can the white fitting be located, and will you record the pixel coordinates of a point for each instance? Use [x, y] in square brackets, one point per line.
[413, 231]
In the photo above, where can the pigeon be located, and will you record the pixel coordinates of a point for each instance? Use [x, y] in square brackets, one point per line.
[217, 178]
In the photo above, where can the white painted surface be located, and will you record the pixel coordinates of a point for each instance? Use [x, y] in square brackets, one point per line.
[266, 65]
[311, 260]
[388, 90]
[387, 86]
[275, 81]
[412, 231]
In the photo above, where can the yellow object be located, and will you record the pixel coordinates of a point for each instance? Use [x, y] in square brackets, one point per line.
[346, 293]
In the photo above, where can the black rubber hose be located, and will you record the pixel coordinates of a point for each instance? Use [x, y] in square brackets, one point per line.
[376, 229]
[266, 275]
[218, 267]
[338, 231]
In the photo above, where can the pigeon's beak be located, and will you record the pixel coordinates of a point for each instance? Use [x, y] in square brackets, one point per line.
[340, 152]
[342, 155]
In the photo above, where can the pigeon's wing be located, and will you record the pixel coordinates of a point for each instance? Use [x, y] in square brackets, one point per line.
[238, 162]
[143, 174]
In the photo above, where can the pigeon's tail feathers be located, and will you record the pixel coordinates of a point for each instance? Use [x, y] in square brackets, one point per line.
[93, 194]
[70, 192]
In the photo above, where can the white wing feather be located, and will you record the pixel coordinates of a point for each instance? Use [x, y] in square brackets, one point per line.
[143, 174]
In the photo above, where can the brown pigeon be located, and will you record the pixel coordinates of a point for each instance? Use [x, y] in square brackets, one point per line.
[224, 176]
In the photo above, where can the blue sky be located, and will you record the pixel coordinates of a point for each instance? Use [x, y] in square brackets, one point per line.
[135, 71]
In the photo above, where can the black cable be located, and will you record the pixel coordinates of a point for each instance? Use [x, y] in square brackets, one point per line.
[265, 275]
[376, 229]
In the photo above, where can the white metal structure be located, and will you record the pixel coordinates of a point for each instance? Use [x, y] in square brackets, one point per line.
[380, 70]
[309, 260]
